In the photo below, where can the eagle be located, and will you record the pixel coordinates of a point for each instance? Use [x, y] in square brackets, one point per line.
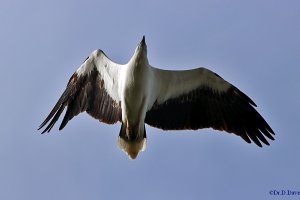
[137, 93]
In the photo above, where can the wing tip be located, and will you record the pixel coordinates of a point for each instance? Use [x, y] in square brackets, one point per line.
[42, 125]
[258, 138]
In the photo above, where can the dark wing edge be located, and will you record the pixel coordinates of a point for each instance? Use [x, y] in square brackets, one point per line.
[84, 93]
[231, 111]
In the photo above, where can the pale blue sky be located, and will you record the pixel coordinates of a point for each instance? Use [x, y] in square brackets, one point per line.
[253, 44]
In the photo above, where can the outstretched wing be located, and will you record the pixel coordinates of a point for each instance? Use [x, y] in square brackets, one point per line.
[200, 98]
[92, 88]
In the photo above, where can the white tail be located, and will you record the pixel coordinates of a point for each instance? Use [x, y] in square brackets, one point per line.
[132, 148]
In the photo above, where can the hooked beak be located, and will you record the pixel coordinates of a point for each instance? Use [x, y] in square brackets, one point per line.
[143, 42]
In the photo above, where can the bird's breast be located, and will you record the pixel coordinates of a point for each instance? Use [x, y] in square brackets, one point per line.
[134, 89]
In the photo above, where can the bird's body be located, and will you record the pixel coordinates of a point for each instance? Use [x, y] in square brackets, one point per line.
[135, 84]
[137, 93]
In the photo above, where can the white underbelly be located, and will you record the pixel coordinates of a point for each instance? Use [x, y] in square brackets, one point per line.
[133, 102]
[134, 97]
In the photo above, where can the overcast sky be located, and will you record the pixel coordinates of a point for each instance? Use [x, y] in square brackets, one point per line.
[255, 45]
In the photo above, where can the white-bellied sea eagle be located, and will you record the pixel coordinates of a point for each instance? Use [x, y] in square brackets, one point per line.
[137, 93]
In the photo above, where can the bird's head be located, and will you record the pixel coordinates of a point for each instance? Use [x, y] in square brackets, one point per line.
[142, 44]
[141, 49]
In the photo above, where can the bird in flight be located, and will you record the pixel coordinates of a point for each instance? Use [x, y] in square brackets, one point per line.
[137, 93]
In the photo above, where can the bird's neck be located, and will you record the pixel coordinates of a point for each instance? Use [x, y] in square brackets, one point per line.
[139, 60]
